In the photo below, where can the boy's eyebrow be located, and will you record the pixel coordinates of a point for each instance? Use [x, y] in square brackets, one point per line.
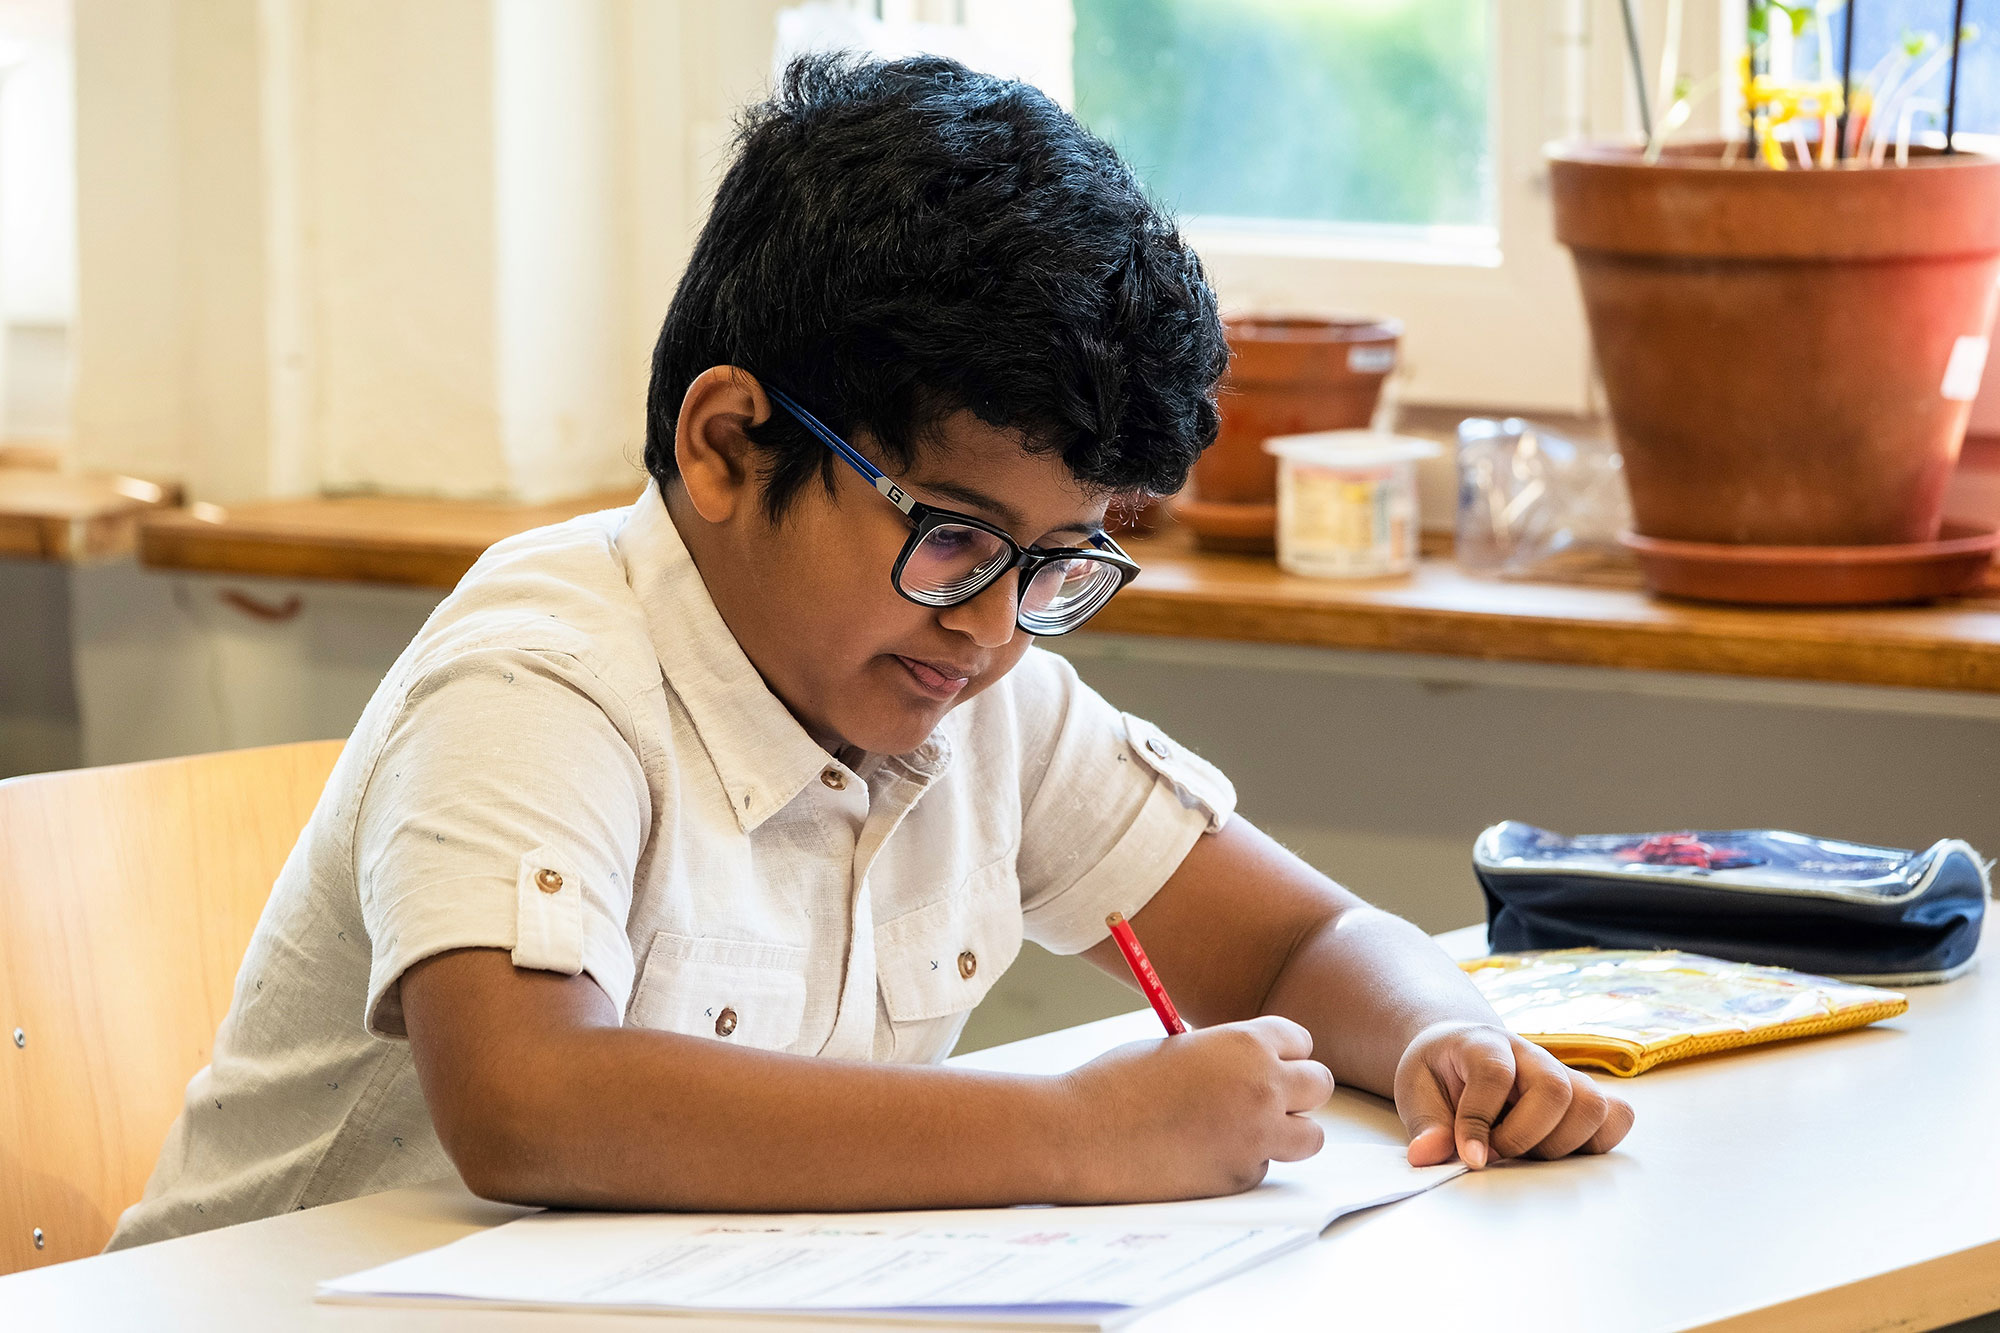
[1009, 516]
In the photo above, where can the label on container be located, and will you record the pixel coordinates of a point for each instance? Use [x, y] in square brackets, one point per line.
[1962, 373]
[1347, 523]
[1376, 360]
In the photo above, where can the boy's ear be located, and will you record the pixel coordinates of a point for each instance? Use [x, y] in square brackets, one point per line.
[716, 455]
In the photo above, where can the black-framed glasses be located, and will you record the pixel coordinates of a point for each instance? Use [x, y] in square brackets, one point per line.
[951, 558]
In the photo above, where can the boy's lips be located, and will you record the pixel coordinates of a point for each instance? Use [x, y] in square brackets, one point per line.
[940, 680]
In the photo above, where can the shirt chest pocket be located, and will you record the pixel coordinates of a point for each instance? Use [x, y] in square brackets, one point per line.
[743, 993]
[938, 961]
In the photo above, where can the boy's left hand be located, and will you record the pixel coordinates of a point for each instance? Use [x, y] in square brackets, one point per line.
[1484, 1093]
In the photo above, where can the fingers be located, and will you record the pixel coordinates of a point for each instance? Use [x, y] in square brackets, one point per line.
[1590, 1118]
[1489, 1094]
[1298, 1138]
[1305, 1084]
[1430, 1145]
[1489, 1078]
[1588, 1108]
[1543, 1106]
[1284, 1038]
[1425, 1106]
[1617, 1123]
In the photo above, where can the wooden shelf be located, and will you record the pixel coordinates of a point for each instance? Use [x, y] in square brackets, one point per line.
[46, 514]
[365, 539]
[1192, 594]
[1186, 593]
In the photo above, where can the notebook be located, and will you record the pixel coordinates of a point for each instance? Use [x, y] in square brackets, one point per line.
[1085, 1267]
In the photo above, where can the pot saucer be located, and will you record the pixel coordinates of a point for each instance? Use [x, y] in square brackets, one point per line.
[1957, 562]
[1224, 525]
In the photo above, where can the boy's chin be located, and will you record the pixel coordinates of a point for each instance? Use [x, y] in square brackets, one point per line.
[900, 731]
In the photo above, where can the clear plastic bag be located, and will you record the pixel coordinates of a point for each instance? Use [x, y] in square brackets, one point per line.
[1535, 504]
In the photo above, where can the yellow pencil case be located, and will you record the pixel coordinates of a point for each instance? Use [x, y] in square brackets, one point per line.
[1626, 1010]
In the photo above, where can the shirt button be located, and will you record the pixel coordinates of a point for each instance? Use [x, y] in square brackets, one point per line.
[834, 778]
[725, 1022]
[968, 963]
[1157, 746]
[548, 881]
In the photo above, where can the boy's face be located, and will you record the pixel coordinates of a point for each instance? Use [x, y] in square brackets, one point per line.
[811, 602]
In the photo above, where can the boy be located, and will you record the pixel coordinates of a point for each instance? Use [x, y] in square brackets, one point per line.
[670, 857]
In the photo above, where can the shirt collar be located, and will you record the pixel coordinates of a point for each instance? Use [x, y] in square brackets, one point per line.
[760, 752]
[762, 755]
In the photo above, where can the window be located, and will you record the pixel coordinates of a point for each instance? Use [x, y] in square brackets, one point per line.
[1307, 115]
[1367, 157]
[1881, 26]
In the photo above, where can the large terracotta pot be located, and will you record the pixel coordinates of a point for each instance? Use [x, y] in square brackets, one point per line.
[1286, 376]
[1777, 347]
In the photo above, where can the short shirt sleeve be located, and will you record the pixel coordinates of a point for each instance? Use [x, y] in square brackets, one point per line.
[507, 810]
[1110, 807]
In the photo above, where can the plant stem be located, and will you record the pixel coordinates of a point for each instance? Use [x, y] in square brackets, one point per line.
[1670, 54]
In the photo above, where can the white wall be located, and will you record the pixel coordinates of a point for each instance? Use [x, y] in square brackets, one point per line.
[560, 122]
[361, 245]
[400, 163]
[37, 220]
[37, 186]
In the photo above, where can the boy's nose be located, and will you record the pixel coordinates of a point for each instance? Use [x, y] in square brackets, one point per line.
[988, 619]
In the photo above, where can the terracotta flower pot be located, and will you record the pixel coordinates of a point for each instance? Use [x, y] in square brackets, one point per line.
[1789, 356]
[1286, 376]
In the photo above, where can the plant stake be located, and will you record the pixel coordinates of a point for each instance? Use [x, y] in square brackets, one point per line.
[1639, 69]
[1951, 94]
[1846, 79]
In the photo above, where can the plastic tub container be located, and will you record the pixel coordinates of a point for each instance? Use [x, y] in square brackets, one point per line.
[1347, 502]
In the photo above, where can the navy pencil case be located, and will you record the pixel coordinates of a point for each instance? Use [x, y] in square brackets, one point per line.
[1839, 909]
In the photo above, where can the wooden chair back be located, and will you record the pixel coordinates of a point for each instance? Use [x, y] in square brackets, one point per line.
[127, 897]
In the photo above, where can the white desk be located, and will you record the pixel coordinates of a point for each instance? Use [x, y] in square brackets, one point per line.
[1847, 1183]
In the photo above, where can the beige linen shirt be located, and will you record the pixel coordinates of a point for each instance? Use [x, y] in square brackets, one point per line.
[575, 761]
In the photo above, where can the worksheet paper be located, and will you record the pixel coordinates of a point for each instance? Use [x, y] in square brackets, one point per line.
[1080, 1267]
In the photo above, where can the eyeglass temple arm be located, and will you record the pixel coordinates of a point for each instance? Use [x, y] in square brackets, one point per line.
[1102, 541]
[890, 490]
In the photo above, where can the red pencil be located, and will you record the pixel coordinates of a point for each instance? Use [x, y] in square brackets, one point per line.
[1142, 968]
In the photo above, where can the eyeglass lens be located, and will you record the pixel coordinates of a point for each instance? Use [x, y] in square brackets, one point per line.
[954, 562]
[1063, 587]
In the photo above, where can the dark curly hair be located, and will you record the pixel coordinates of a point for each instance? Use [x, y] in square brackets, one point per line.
[896, 241]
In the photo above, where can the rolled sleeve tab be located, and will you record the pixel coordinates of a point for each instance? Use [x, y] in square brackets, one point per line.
[1180, 796]
[549, 907]
[1196, 783]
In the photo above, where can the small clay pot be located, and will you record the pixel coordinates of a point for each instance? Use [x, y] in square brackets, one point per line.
[1286, 376]
[1785, 353]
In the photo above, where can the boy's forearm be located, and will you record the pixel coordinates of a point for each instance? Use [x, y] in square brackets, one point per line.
[628, 1118]
[1245, 927]
[1365, 983]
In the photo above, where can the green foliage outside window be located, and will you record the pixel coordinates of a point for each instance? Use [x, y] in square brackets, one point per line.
[1369, 111]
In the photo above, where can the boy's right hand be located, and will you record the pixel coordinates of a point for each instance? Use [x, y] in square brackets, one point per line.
[1199, 1114]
